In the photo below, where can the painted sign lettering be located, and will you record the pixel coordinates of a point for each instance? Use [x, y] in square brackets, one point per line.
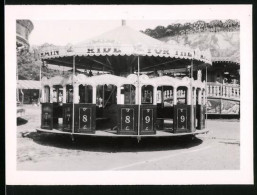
[147, 120]
[50, 53]
[127, 119]
[85, 118]
[182, 118]
[67, 121]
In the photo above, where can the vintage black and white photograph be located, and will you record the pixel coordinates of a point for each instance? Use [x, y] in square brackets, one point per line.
[129, 94]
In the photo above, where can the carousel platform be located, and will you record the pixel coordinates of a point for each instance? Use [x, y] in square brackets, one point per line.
[113, 133]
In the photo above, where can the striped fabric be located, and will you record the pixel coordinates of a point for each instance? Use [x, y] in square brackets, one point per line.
[28, 84]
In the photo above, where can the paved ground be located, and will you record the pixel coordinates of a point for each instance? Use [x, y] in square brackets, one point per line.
[218, 150]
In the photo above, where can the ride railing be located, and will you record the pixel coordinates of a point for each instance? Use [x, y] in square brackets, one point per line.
[226, 91]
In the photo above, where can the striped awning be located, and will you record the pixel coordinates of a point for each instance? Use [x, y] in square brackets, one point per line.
[28, 84]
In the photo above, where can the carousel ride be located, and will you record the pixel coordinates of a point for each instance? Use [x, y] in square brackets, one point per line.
[125, 92]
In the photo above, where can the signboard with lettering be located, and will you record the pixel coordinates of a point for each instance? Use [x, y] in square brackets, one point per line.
[127, 119]
[182, 118]
[148, 119]
[85, 118]
[119, 49]
[47, 116]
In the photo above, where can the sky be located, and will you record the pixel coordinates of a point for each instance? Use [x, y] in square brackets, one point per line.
[63, 32]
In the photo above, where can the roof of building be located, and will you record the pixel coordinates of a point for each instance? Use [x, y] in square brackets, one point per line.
[28, 84]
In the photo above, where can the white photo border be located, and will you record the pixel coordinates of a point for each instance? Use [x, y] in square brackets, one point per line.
[137, 12]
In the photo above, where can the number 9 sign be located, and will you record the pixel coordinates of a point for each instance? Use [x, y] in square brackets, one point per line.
[182, 118]
[147, 119]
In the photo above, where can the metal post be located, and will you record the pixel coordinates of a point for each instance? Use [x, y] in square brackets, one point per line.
[206, 96]
[73, 111]
[139, 101]
[40, 91]
[192, 100]
[17, 77]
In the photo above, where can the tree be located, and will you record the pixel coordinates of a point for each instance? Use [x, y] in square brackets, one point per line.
[228, 24]
[177, 28]
[215, 24]
[160, 31]
[199, 26]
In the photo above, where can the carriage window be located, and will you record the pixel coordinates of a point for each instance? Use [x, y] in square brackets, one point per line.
[57, 93]
[182, 95]
[81, 94]
[128, 94]
[147, 94]
[165, 95]
[85, 94]
[106, 95]
[69, 93]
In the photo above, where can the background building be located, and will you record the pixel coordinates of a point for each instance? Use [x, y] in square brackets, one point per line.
[23, 30]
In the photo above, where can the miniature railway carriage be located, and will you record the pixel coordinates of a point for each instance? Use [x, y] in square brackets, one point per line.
[125, 92]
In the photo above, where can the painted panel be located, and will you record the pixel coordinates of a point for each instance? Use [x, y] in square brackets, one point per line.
[213, 106]
[182, 118]
[147, 120]
[127, 119]
[85, 115]
[230, 107]
[47, 116]
[67, 118]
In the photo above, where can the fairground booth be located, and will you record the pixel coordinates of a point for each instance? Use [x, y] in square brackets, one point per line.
[123, 90]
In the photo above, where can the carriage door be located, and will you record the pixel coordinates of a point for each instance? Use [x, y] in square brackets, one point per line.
[147, 111]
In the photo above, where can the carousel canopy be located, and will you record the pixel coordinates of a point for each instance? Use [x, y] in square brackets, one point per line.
[117, 51]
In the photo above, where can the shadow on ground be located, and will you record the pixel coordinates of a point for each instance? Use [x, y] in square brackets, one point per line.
[112, 144]
[21, 121]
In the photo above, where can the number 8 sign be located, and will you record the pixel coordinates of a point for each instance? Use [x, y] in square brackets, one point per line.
[127, 119]
[84, 118]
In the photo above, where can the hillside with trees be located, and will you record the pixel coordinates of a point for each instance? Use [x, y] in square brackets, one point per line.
[221, 38]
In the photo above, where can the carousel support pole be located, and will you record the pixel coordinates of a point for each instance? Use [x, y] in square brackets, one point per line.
[174, 95]
[118, 94]
[195, 96]
[206, 77]
[155, 95]
[51, 91]
[40, 90]
[94, 94]
[73, 111]
[192, 100]
[139, 99]
[103, 92]
[64, 94]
